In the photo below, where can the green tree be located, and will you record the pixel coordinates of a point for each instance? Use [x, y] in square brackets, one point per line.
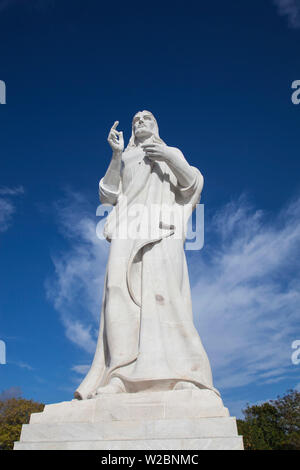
[274, 425]
[15, 412]
[288, 408]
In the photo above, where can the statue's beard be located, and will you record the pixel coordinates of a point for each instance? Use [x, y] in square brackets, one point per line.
[141, 137]
[143, 132]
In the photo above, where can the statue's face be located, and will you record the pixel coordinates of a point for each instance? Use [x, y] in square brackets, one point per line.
[143, 125]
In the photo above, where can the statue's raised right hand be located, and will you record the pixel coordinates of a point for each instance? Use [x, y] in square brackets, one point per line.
[115, 139]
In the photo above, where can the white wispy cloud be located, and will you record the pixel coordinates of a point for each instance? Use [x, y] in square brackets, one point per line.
[81, 369]
[7, 206]
[245, 288]
[23, 365]
[247, 296]
[7, 209]
[6, 191]
[290, 9]
[76, 288]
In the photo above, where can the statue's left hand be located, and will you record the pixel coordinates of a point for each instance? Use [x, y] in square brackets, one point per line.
[159, 152]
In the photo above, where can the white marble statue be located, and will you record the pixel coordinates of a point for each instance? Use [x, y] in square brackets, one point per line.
[150, 384]
[147, 339]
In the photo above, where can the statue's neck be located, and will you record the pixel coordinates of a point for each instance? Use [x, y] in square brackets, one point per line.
[144, 140]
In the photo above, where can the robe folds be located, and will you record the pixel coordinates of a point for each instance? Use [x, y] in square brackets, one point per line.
[147, 337]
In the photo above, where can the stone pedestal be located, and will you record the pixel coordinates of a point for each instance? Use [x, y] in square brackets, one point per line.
[173, 420]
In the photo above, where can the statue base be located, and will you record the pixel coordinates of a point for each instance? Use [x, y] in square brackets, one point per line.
[172, 420]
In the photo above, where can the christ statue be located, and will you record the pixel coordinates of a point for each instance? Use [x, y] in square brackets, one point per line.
[147, 339]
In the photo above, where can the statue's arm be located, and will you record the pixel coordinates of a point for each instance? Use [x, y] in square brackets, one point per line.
[109, 186]
[183, 171]
[113, 174]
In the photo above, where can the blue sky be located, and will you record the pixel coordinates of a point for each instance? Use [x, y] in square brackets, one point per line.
[217, 75]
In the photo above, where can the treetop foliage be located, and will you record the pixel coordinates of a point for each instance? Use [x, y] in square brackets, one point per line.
[14, 412]
[274, 425]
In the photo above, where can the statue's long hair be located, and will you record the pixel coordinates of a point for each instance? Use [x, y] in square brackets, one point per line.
[155, 138]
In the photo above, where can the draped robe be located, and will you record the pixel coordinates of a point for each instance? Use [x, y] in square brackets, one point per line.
[147, 337]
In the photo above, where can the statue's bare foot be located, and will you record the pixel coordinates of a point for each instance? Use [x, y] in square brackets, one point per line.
[185, 386]
[114, 386]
